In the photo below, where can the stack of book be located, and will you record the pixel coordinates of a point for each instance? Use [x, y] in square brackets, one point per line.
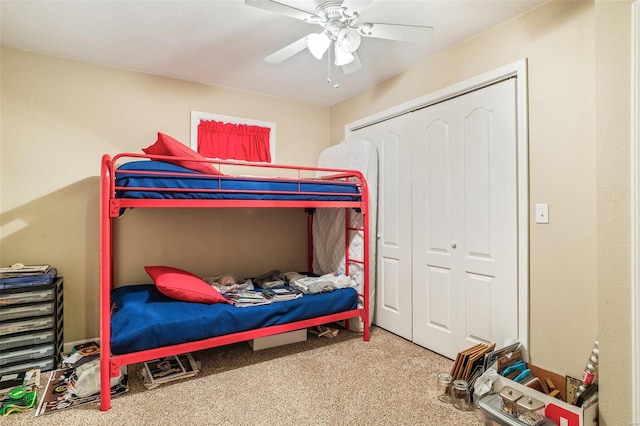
[168, 369]
[80, 354]
[247, 298]
[281, 294]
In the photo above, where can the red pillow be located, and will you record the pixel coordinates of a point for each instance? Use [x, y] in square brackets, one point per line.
[166, 145]
[183, 285]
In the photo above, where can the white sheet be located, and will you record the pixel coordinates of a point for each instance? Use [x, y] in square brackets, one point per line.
[328, 224]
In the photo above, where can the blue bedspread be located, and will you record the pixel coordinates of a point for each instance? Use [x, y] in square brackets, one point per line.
[144, 318]
[196, 184]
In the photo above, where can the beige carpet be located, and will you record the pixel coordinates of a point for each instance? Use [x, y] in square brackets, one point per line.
[323, 381]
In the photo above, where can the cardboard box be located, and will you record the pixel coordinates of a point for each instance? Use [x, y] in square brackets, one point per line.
[560, 412]
[278, 339]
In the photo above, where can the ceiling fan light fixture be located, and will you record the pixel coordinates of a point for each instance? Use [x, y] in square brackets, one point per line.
[342, 56]
[349, 39]
[342, 31]
[318, 43]
[365, 29]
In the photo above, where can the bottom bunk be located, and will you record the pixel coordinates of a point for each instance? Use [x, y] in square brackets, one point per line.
[146, 324]
[143, 318]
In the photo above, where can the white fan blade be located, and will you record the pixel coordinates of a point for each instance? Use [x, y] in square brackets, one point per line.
[352, 66]
[356, 6]
[287, 51]
[274, 6]
[410, 33]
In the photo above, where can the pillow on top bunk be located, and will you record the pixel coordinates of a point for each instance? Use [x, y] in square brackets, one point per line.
[182, 285]
[166, 145]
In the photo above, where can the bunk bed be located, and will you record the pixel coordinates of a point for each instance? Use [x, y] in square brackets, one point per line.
[131, 180]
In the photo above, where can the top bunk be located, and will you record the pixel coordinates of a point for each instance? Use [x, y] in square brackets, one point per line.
[131, 180]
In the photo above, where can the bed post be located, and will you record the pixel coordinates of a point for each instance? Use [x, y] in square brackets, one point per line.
[106, 235]
[366, 273]
[366, 233]
[366, 260]
[310, 239]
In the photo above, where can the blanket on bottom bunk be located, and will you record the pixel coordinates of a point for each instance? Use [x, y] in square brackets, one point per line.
[143, 318]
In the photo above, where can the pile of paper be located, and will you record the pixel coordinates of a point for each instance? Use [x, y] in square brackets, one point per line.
[247, 298]
[168, 369]
[281, 294]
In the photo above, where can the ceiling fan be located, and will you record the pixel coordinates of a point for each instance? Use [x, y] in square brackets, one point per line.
[340, 28]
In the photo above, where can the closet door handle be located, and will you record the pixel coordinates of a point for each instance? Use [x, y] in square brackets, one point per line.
[454, 244]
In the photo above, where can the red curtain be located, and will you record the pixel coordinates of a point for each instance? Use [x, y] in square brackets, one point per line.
[230, 141]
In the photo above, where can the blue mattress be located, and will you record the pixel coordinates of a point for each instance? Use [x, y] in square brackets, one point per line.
[192, 185]
[144, 318]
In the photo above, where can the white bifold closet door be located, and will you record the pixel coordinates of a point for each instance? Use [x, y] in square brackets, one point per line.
[447, 263]
[393, 292]
[464, 209]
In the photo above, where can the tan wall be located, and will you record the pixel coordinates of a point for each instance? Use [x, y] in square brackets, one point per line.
[578, 163]
[613, 90]
[60, 116]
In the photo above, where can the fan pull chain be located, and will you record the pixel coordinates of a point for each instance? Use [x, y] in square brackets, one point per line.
[336, 85]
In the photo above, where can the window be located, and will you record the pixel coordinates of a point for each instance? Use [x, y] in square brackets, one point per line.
[233, 138]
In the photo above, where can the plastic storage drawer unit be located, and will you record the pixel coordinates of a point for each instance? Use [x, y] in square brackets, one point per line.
[31, 326]
[27, 354]
[43, 365]
[28, 311]
[32, 296]
[26, 325]
[31, 339]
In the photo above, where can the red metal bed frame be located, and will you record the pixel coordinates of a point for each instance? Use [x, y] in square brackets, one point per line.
[110, 208]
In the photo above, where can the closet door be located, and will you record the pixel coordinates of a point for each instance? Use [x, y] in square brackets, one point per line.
[464, 221]
[393, 293]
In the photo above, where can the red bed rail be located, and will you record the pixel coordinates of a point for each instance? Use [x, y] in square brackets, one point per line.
[109, 210]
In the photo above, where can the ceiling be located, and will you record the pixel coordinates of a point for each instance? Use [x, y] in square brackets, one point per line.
[224, 42]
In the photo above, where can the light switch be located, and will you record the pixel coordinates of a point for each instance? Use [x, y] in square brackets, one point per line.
[542, 213]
